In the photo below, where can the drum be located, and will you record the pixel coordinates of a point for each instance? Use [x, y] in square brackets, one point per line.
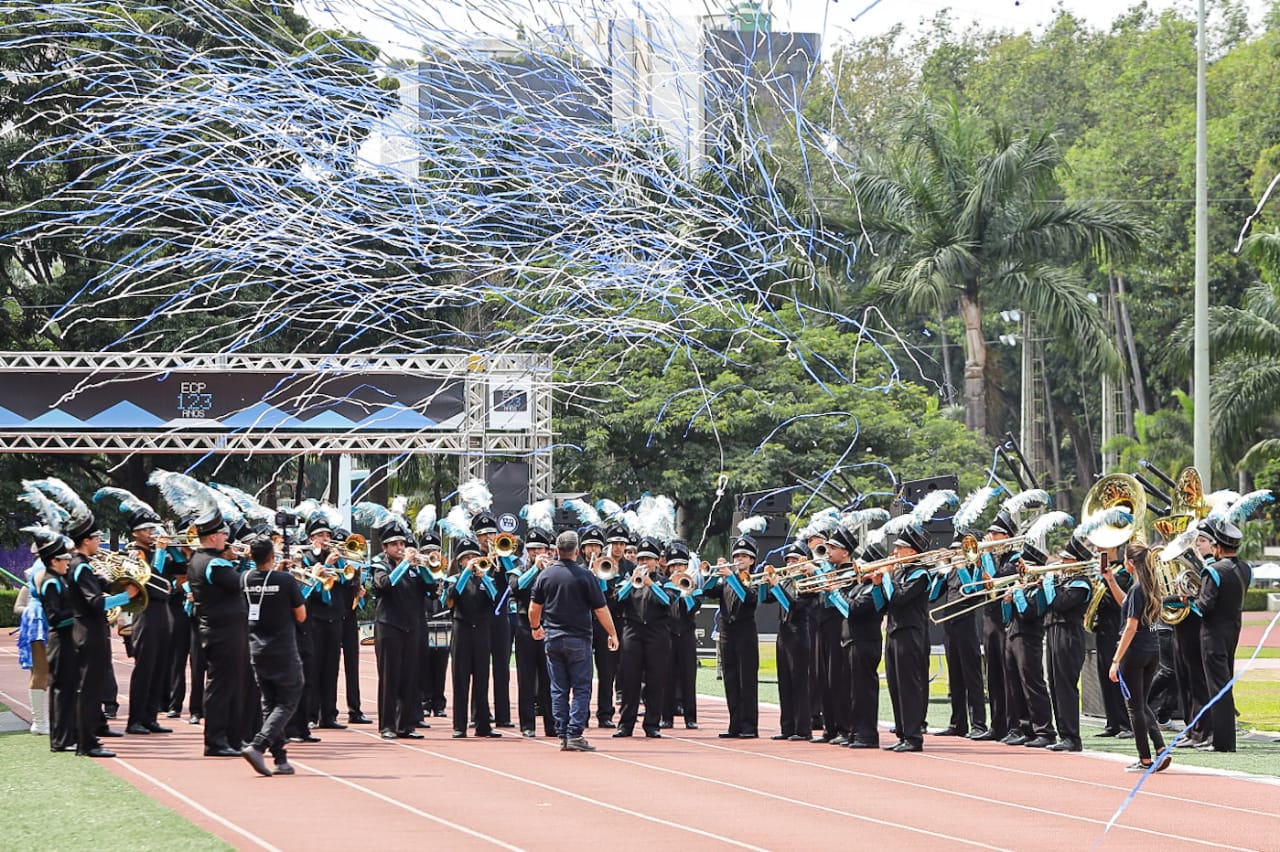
[365, 629]
[439, 632]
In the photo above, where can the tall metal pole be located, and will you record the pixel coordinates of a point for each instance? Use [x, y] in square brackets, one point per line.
[1201, 425]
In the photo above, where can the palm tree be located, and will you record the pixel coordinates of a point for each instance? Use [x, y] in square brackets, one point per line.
[1245, 343]
[964, 214]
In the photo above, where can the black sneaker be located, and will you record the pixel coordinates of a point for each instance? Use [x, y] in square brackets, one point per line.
[578, 744]
[256, 759]
[283, 769]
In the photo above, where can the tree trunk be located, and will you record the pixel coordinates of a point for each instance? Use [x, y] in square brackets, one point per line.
[949, 387]
[1139, 386]
[975, 363]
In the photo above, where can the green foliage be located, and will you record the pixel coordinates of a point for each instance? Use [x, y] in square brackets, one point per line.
[1255, 600]
[8, 618]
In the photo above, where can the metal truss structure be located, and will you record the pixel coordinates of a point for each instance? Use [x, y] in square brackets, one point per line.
[474, 442]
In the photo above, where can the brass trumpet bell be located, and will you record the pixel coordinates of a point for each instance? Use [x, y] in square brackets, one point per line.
[605, 569]
[355, 548]
[1115, 491]
[504, 544]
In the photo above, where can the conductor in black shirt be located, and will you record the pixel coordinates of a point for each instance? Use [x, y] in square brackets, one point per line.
[275, 606]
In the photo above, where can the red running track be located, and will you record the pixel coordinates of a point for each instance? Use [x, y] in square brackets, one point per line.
[689, 790]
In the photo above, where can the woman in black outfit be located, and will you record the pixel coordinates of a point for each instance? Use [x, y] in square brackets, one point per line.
[1138, 655]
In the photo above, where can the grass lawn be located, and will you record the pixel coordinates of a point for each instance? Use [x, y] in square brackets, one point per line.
[4, 708]
[107, 811]
[1257, 701]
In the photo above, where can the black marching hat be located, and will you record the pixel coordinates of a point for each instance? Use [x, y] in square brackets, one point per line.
[210, 522]
[142, 518]
[591, 534]
[429, 541]
[1222, 532]
[1076, 549]
[392, 531]
[873, 552]
[744, 544]
[538, 538]
[1003, 523]
[842, 538]
[797, 549]
[318, 522]
[913, 537]
[484, 522]
[677, 553]
[649, 547]
[50, 544]
[617, 533]
[466, 546]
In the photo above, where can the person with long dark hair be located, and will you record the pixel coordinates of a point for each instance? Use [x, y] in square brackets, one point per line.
[1137, 656]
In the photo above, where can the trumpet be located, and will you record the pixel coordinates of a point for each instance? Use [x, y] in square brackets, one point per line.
[504, 544]
[356, 548]
[685, 582]
[189, 538]
[637, 577]
[604, 568]
[432, 561]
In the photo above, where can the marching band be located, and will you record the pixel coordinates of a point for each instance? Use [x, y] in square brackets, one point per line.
[1015, 607]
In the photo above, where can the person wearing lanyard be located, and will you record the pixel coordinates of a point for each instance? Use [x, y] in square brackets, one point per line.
[1138, 656]
[275, 605]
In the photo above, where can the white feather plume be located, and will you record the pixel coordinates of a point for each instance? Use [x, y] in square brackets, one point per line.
[370, 515]
[630, 520]
[932, 503]
[1113, 517]
[400, 506]
[1220, 502]
[540, 515]
[1244, 508]
[475, 495]
[53, 515]
[457, 524]
[583, 511]
[753, 525]
[59, 492]
[1033, 498]
[253, 511]
[426, 519]
[608, 509]
[657, 517]
[970, 511]
[1045, 523]
[187, 497]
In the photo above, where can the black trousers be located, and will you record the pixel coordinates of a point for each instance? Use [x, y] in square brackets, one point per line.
[470, 656]
[740, 661]
[280, 687]
[399, 701]
[110, 688]
[795, 653]
[993, 650]
[833, 678]
[1219, 652]
[176, 655]
[964, 672]
[1112, 699]
[1138, 671]
[500, 642]
[864, 689]
[646, 659]
[906, 661]
[606, 670]
[297, 724]
[199, 669]
[64, 676]
[682, 678]
[326, 645]
[533, 683]
[1194, 688]
[93, 658]
[815, 681]
[439, 658]
[1026, 693]
[1065, 643]
[1164, 698]
[351, 661]
[226, 651]
[151, 632]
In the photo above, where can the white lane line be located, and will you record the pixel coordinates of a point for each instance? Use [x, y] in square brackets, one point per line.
[567, 793]
[14, 702]
[946, 791]
[787, 799]
[406, 807]
[218, 818]
[1189, 770]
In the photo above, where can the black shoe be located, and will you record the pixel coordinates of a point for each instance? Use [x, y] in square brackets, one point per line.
[358, 719]
[798, 738]
[1065, 745]
[577, 744]
[110, 712]
[173, 714]
[439, 714]
[951, 731]
[606, 723]
[529, 733]
[1125, 734]
[410, 735]
[489, 734]
[1164, 763]
[283, 769]
[257, 760]
[781, 737]
[861, 744]
[98, 752]
[653, 733]
[1014, 739]
[666, 723]
[388, 735]
[751, 736]
[457, 735]
[822, 738]
[137, 728]
[423, 725]
[157, 728]
[840, 739]
[222, 751]
[893, 746]
[906, 746]
[981, 735]
[332, 724]
[728, 735]
[1107, 732]
[622, 732]
[310, 738]
[691, 726]
[1039, 742]
[193, 719]
[107, 732]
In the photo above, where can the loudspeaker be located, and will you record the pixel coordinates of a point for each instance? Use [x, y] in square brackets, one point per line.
[911, 492]
[775, 502]
[773, 506]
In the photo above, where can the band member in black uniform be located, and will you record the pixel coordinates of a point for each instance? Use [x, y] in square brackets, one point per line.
[324, 620]
[275, 605]
[52, 587]
[905, 592]
[864, 646]
[815, 679]
[593, 542]
[222, 616]
[484, 526]
[437, 657]
[92, 635]
[739, 641]
[963, 649]
[793, 650]
[1222, 586]
[1189, 661]
[1067, 598]
[400, 590]
[1106, 632]
[350, 595]
[1026, 694]
[833, 662]
[533, 682]
[645, 600]
[472, 596]
[994, 565]
[681, 693]
[172, 558]
[152, 627]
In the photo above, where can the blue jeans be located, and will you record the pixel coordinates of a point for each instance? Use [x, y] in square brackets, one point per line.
[569, 667]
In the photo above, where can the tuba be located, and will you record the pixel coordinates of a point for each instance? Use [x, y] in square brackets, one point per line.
[1115, 491]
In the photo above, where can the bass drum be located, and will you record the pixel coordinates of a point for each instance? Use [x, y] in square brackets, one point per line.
[366, 632]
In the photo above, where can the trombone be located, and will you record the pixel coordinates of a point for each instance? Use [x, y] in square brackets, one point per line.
[992, 589]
